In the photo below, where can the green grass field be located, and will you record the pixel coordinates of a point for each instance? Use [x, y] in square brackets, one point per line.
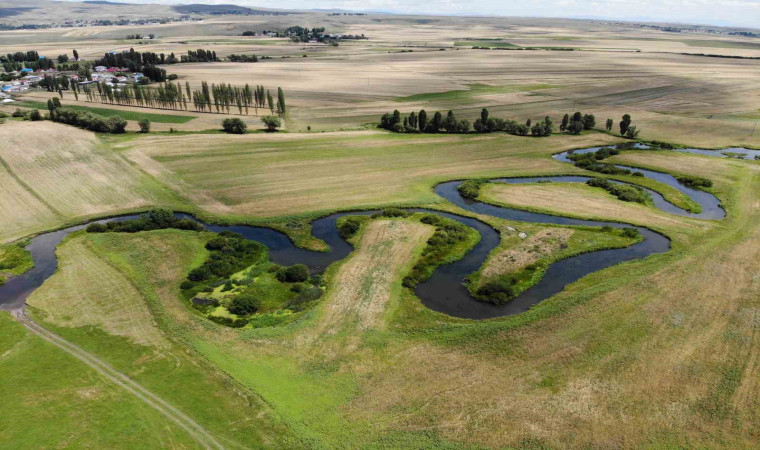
[51, 399]
[124, 114]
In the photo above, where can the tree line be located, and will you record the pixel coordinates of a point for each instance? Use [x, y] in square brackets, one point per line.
[219, 98]
[136, 61]
[420, 123]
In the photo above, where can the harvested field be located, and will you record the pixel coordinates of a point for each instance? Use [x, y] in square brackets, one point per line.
[577, 200]
[534, 247]
[55, 173]
[366, 284]
[90, 292]
[274, 175]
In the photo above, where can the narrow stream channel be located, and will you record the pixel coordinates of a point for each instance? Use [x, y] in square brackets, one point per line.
[444, 291]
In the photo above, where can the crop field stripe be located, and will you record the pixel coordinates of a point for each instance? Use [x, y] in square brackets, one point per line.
[28, 188]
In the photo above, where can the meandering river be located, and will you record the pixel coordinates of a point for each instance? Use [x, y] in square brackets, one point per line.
[444, 291]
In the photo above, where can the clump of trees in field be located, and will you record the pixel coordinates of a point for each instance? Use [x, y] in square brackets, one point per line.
[242, 58]
[422, 123]
[470, 188]
[234, 126]
[30, 59]
[625, 192]
[626, 129]
[139, 36]
[144, 125]
[591, 161]
[577, 122]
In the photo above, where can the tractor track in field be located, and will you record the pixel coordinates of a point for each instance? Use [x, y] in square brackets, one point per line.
[202, 436]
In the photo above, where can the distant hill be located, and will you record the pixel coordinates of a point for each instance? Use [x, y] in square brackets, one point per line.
[224, 10]
[8, 12]
[106, 2]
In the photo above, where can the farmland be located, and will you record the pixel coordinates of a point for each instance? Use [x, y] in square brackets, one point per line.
[659, 350]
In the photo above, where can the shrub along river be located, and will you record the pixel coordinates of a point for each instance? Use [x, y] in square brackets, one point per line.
[444, 291]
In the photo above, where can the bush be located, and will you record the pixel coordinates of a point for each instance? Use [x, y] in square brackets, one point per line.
[624, 192]
[498, 292]
[96, 228]
[599, 182]
[391, 212]
[172, 77]
[144, 125]
[154, 219]
[448, 234]
[229, 322]
[631, 232]
[20, 113]
[692, 181]
[116, 124]
[35, 115]
[470, 188]
[234, 125]
[272, 122]
[244, 305]
[294, 274]
[305, 296]
[431, 219]
[349, 227]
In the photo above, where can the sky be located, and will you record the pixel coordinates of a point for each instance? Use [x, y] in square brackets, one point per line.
[714, 12]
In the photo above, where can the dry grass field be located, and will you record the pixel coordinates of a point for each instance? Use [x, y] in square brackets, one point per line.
[576, 200]
[53, 174]
[366, 284]
[615, 69]
[275, 175]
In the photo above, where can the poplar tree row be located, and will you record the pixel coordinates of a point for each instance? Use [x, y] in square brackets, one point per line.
[219, 98]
